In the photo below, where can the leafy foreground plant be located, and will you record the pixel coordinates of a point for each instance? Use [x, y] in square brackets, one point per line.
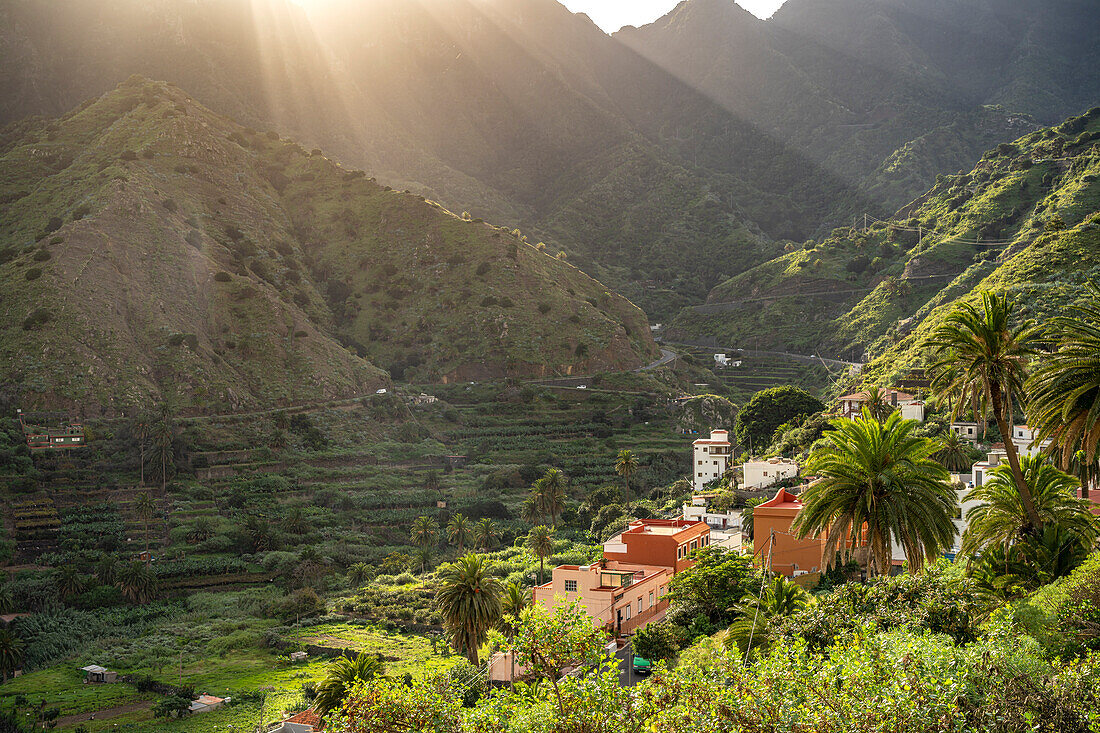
[896, 682]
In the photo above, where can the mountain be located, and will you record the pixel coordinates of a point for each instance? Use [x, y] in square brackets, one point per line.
[710, 133]
[150, 245]
[1026, 219]
[885, 94]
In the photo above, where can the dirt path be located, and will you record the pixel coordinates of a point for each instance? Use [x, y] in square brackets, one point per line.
[104, 714]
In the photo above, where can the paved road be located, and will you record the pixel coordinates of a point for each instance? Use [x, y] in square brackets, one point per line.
[666, 358]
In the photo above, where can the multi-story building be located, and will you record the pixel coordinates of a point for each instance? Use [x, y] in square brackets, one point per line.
[626, 589]
[711, 458]
[775, 545]
[1025, 440]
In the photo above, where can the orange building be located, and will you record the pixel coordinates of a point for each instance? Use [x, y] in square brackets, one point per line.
[663, 542]
[771, 527]
[627, 589]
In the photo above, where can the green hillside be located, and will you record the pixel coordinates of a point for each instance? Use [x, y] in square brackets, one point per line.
[1026, 219]
[152, 248]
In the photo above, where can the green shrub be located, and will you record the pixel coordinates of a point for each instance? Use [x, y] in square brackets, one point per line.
[222, 276]
[41, 255]
[128, 155]
[33, 274]
[53, 224]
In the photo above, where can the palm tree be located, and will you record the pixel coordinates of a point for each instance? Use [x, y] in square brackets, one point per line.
[981, 358]
[11, 654]
[106, 570]
[164, 435]
[343, 675]
[953, 454]
[514, 601]
[425, 532]
[746, 517]
[358, 573]
[486, 534]
[7, 600]
[878, 478]
[879, 407]
[140, 429]
[137, 582]
[626, 465]
[530, 511]
[424, 556]
[469, 598]
[999, 519]
[202, 529]
[459, 531]
[69, 581]
[145, 505]
[295, 521]
[540, 541]
[551, 494]
[1064, 392]
[752, 629]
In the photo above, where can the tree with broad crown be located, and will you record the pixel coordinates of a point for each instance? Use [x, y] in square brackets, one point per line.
[469, 598]
[981, 358]
[877, 480]
[1064, 391]
[767, 410]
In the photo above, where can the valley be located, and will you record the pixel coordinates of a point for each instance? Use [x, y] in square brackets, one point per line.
[456, 366]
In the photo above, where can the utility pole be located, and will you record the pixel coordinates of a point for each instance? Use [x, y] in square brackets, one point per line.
[865, 222]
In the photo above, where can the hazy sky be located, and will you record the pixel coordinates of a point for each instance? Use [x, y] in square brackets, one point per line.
[611, 15]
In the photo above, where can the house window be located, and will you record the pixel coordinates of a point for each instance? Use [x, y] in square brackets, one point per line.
[628, 607]
[694, 544]
[651, 598]
[570, 586]
[639, 605]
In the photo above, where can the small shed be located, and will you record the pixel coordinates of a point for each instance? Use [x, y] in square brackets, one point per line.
[96, 675]
[206, 703]
[298, 656]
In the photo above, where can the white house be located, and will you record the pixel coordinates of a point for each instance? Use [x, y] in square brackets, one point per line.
[982, 468]
[1024, 438]
[911, 408]
[965, 430]
[721, 360]
[711, 458]
[761, 473]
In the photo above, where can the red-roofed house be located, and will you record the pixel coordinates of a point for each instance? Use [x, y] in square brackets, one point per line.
[626, 590]
[851, 405]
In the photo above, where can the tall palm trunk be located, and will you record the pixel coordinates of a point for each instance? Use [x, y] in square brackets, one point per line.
[1002, 413]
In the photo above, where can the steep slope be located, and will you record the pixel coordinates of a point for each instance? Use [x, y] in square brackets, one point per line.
[1026, 219]
[150, 244]
[885, 94]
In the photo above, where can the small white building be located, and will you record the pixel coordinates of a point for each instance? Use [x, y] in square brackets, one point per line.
[764, 472]
[722, 360]
[980, 469]
[965, 430]
[1024, 438]
[711, 458]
